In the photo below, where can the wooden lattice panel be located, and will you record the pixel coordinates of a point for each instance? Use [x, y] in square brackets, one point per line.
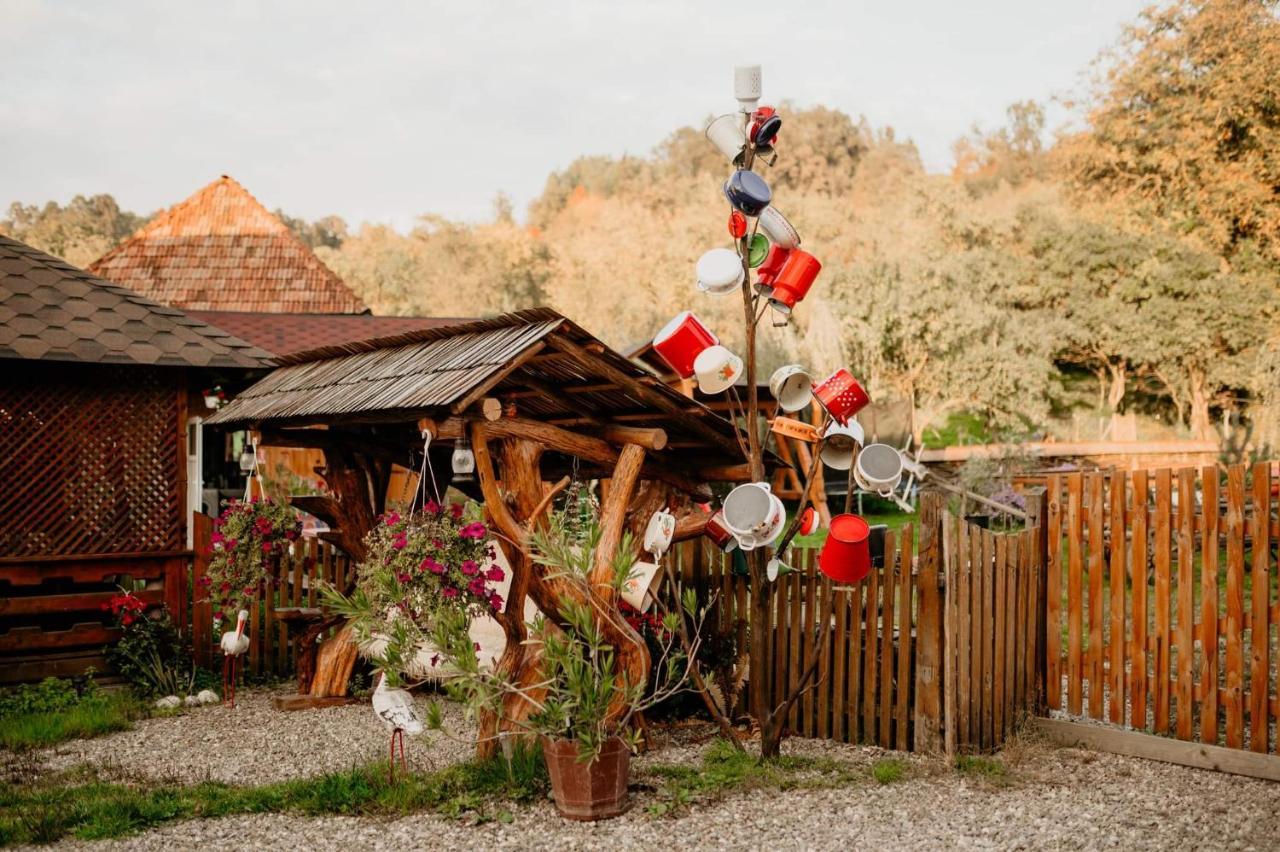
[89, 460]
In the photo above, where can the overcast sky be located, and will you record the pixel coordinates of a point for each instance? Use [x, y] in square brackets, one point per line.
[385, 110]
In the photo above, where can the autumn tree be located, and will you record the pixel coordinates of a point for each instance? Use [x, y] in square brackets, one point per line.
[80, 233]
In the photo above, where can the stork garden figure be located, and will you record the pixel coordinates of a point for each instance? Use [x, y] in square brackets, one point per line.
[395, 708]
[234, 644]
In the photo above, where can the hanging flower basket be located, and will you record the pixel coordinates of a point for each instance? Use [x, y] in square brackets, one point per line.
[247, 539]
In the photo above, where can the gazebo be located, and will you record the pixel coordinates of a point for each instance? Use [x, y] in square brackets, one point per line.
[539, 401]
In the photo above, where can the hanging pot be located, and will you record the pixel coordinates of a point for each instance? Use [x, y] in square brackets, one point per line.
[681, 341]
[717, 369]
[778, 229]
[769, 269]
[878, 469]
[810, 521]
[841, 395]
[726, 133]
[846, 555]
[765, 124]
[719, 272]
[794, 280]
[750, 510]
[771, 533]
[642, 585]
[840, 444]
[791, 387]
[747, 192]
[658, 535]
[757, 250]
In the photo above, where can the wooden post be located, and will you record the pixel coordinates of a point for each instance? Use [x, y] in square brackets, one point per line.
[928, 721]
[1042, 563]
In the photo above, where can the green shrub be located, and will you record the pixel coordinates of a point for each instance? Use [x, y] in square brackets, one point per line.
[152, 654]
[50, 695]
[888, 770]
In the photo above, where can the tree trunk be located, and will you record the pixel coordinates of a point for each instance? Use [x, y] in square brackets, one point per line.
[1200, 421]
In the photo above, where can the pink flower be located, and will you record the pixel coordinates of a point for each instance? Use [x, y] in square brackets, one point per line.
[455, 509]
[476, 645]
[431, 507]
[476, 587]
[217, 616]
[470, 568]
[495, 601]
[263, 526]
[206, 581]
[403, 577]
[266, 547]
[290, 534]
[431, 565]
[217, 537]
[391, 519]
[400, 542]
[476, 530]
[437, 544]
[449, 592]
[495, 574]
[230, 544]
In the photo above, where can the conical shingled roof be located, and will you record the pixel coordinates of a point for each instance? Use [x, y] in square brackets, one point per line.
[221, 250]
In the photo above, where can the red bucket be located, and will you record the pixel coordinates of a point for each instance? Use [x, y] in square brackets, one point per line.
[682, 340]
[841, 395]
[794, 280]
[846, 557]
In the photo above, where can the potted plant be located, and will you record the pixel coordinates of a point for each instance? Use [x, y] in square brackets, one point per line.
[246, 536]
[214, 397]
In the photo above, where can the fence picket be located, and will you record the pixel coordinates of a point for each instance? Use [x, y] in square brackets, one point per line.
[1139, 585]
[1260, 632]
[839, 665]
[902, 705]
[1075, 595]
[1115, 603]
[809, 645]
[888, 587]
[998, 621]
[1186, 598]
[1209, 606]
[1163, 625]
[1097, 511]
[988, 637]
[854, 707]
[1053, 594]
[1234, 699]
[1007, 696]
[795, 630]
[870, 682]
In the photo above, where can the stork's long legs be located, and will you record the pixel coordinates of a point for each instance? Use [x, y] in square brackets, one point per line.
[229, 665]
[391, 763]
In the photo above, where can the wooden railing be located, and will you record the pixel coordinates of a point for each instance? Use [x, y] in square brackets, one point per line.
[1162, 599]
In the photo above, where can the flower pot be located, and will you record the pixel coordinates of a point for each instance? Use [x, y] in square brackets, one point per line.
[588, 791]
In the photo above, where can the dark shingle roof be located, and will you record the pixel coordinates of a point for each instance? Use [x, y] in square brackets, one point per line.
[285, 334]
[53, 311]
[221, 250]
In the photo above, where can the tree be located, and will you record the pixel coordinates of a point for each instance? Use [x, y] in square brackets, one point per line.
[328, 231]
[1012, 155]
[1183, 133]
[80, 233]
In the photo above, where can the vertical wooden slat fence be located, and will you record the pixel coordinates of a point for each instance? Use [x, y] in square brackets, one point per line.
[1182, 604]
[271, 646]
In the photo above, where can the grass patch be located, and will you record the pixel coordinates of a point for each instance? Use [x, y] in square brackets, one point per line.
[976, 766]
[888, 770]
[92, 716]
[725, 769]
[94, 809]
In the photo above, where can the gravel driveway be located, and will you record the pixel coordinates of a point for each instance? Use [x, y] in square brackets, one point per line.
[1050, 798]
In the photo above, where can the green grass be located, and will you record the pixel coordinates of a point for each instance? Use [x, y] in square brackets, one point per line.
[888, 770]
[976, 766]
[725, 770]
[92, 809]
[98, 714]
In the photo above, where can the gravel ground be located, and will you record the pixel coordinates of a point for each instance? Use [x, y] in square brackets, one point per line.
[1049, 798]
[255, 743]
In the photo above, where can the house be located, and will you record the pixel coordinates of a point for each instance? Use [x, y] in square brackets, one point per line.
[96, 454]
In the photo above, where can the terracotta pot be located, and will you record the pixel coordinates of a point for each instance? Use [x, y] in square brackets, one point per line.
[588, 791]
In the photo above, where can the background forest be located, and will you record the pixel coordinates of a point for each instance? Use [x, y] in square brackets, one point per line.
[1117, 278]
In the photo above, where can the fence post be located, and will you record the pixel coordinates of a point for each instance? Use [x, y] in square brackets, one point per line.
[928, 709]
[1037, 518]
[201, 614]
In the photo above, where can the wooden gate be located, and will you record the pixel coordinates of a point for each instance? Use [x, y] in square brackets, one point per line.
[1162, 602]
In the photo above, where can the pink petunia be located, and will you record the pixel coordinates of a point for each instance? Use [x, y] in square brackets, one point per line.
[449, 592]
[266, 547]
[470, 568]
[476, 530]
[431, 507]
[217, 537]
[476, 587]
[403, 577]
[230, 544]
[455, 509]
[399, 542]
[433, 566]
[495, 601]
[392, 519]
[495, 574]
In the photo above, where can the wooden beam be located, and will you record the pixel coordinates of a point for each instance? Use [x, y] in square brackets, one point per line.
[641, 389]
[1150, 747]
[650, 439]
[1067, 449]
[613, 514]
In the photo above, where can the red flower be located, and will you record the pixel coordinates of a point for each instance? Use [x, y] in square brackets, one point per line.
[455, 509]
[495, 574]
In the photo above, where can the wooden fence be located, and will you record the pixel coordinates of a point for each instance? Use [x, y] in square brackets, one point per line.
[1162, 602]
[272, 627]
[896, 634]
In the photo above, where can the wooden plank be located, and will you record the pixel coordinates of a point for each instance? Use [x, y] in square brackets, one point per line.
[19, 639]
[269, 629]
[1260, 631]
[823, 702]
[888, 588]
[1209, 607]
[781, 635]
[839, 667]
[1163, 623]
[998, 624]
[988, 637]
[1097, 514]
[1027, 608]
[1115, 601]
[950, 633]
[1010, 632]
[71, 602]
[853, 709]
[795, 645]
[1234, 681]
[964, 632]
[1053, 593]
[289, 703]
[870, 681]
[255, 634]
[1148, 747]
[1075, 594]
[808, 713]
[1185, 636]
[928, 692]
[1138, 589]
[902, 705]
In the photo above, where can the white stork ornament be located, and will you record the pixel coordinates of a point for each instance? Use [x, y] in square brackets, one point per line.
[395, 708]
[234, 645]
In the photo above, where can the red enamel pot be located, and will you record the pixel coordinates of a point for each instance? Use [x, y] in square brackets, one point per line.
[846, 556]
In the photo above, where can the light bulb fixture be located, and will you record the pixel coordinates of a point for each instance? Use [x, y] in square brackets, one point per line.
[464, 461]
[246, 461]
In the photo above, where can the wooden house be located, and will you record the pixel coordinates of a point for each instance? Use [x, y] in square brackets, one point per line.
[96, 383]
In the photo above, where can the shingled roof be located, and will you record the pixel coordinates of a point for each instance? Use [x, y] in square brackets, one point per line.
[285, 334]
[53, 311]
[221, 250]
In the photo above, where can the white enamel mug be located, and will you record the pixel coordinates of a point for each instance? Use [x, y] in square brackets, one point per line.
[792, 387]
[717, 369]
[658, 535]
[729, 136]
[878, 469]
[778, 229]
[840, 444]
[720, 272]
[641, 585]
[750, 511]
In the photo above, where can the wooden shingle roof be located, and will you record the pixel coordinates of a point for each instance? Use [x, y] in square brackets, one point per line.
[53, 311]
[221, 250]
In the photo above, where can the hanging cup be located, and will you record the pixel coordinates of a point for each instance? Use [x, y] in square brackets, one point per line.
[840, 444]
[878, 469]
[717, 369]
[841, 395]
[846, 555]
[658, 535]
[792, 387]
[642, 585]
[778, 229]
[726, 133]
[681, 341]
[719, 272]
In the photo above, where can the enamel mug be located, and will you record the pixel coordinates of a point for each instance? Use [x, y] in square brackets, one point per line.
[658, 535]
[840, 444]
[792, 387]
[719, 533]
[779, 231]
[681, 341]
[750, 510]
[727, 134]
[642, 585]
[878, 469]
[747, 192]
[719, 272]
[794, 280]
[717, 369]
[841, 395]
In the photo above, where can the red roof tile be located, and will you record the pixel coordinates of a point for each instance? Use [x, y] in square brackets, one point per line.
[221, 250]
[285, 334]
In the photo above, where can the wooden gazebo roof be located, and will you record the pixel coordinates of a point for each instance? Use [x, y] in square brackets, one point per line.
[544, 369]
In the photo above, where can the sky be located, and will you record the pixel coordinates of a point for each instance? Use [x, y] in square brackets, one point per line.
[383, 111]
